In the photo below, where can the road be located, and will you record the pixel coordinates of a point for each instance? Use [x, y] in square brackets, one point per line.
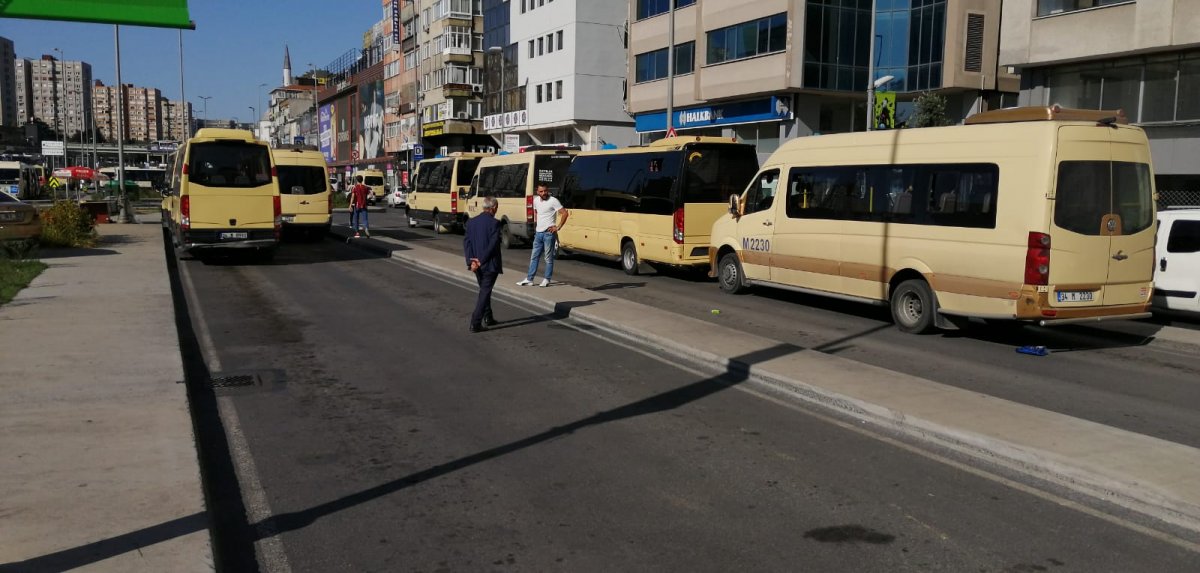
[1112, 373]
[377, 434]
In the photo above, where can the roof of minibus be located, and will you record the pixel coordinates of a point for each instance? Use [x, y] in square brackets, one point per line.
[511, 158]
[668, 143]
[298, 157]
[213, 133]
[990, 137]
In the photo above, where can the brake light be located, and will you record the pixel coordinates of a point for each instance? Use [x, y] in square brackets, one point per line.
[1037, 259]
[185, 213]
[678, 225]
[529, 212]
[454, 202]
[277, 205]
[273, 172]
[185, 168]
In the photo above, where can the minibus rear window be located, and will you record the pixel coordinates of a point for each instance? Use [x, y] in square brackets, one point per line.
[1090, 190]
[297, 180]
[229, 164]
[373, 181]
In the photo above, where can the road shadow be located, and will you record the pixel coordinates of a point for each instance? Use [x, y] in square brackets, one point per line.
[97, 551]
[737, 372]
[67, 252]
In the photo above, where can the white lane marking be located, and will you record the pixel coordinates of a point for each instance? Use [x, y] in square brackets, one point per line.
[271, 555]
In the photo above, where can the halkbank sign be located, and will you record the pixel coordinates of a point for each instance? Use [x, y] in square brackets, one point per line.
[774, 108]
[155, 13]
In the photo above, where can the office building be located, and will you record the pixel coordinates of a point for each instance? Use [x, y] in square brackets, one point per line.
[766, 71]
[1142, 57]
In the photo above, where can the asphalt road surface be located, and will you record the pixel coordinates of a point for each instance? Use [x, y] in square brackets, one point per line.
[355, 425]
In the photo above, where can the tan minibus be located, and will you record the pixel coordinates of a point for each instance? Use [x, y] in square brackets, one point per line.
[1041, 215]
[372, 178]
[224, 195]
[655, 203]
[439, 192]
[512, 178]
[306, 198]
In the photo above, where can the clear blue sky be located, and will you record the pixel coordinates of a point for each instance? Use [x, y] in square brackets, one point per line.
[237, 44]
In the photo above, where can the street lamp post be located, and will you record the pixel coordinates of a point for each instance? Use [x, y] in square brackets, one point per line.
[253, 118]
[62, 87]
[205, 98]
[499, 53]
[316, 117]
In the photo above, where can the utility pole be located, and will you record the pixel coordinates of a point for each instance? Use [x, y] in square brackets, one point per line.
[126, 206]
[671, 68]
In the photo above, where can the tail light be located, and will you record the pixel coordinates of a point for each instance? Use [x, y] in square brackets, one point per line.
[277, 205]
[529, 213]
[454, 202]
[185, 213]
[274, 173]
[1037, 259]
[185, 168]
[678, 226]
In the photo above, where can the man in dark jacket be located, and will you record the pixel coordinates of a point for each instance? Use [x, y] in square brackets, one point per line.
[481, 246]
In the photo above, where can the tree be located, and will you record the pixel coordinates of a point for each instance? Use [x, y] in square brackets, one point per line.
[929, 110]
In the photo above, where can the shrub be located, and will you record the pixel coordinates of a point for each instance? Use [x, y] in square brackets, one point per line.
[929, 110]
[65, 224]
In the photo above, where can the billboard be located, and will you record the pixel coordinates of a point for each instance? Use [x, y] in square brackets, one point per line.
[370, 110]
[345, 132]
[326, 125]
[159, 13]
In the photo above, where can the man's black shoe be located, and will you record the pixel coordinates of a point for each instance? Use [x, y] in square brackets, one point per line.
[489, 321]
[476, 328]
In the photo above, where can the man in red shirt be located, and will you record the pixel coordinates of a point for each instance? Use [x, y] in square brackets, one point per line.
[358, 207]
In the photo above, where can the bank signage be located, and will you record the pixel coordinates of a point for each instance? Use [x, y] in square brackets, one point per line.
[774, 108]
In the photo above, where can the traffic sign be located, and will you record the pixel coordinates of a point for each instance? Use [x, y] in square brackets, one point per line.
[53, 148]
[54, 183]
[298, 140]
[671, 132]
[418, 153]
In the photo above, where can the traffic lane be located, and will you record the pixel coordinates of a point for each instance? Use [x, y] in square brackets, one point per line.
[1109, 376]
[392, 439]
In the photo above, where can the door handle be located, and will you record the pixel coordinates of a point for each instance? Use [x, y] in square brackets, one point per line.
[1162, 264]
[1120, 256]
[767, 223]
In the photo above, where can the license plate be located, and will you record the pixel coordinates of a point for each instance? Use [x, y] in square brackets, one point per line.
[1075, 296]
[289, 218]
[234, 235]
[10, 217]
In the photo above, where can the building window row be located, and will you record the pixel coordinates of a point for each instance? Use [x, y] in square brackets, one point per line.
[1050, 7]
[652, 65]
[1149, 90]
[533, 4]
[650, 8]
[549, 91]
[748, 39]
[543, 45]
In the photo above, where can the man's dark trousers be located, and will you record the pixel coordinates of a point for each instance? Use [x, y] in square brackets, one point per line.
[483, 304]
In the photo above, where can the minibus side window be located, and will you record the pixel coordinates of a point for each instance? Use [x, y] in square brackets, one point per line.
[552, 170]
[464, 170]
[656, 196]
[1133, 197]
[761, 195]
[487, 181]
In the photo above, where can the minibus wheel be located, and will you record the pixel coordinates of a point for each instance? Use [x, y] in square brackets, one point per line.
[506, 241]
[437, 224]
[913, 307]
[629, 258]
[729, 273]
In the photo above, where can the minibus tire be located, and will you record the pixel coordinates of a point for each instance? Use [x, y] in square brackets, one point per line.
[729, 274]
[506, 241]
[913, 307]
[437, 224]
[629, 258]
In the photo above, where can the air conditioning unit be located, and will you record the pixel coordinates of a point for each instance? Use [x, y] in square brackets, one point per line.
[462, 115]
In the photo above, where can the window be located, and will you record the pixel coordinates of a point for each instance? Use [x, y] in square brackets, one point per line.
[1051, 7]
[549, 43]
[558, 89]
[762, 194]
[559, 36]
[685, 58]
[230, 164]
[541, 46]
[648, 8]
[652, 66]
[1087, 191]
[948, 195]
[531, 48]
[764, 36]
[1185, 237]
[539, 93]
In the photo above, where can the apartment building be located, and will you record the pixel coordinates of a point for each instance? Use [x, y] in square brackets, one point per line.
[447, 54]
[144, 113]
[766, 71]
[1140, 56]
[556, 69]
[8, 84]
[104, 110]
[176, 117]
[55, 92]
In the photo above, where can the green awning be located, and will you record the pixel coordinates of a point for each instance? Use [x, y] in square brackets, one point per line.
[156, 13]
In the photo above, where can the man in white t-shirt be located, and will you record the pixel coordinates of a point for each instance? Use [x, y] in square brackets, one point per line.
[551, 216]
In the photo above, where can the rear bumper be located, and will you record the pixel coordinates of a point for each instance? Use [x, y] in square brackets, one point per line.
[206, 239]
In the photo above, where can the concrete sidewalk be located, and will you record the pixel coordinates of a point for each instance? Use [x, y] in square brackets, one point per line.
[98, 464]
[1154, 477]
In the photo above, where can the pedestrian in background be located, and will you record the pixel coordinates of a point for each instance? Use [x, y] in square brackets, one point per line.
[481, 247]
[358, 207]
[551, 216]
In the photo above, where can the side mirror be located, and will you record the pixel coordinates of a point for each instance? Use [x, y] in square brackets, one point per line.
[735, 203]
[165, 191]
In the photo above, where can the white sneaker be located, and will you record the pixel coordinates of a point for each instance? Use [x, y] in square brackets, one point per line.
[545, 283]
[524, 282]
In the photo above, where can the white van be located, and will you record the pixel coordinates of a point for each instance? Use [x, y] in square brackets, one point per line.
[1177, 270]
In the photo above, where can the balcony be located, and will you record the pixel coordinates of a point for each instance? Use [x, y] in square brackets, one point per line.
[458, 90]
[458, 55]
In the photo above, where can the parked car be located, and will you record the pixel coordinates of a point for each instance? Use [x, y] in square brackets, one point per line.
[398, 197]
[1177, 270]
[19, 221]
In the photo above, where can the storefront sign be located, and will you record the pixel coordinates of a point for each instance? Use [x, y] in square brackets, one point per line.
[432, 129]
[506, 120]
[773, 108]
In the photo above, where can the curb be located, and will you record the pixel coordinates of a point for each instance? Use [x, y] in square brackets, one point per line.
[1080, 470]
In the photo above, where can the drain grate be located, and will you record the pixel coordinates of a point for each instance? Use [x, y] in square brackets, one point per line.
[232, 381]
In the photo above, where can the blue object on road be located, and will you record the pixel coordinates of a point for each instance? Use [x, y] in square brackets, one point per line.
[1034, 350]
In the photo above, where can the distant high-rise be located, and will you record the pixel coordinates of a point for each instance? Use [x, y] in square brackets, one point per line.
[8, 84]
[55, 92]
